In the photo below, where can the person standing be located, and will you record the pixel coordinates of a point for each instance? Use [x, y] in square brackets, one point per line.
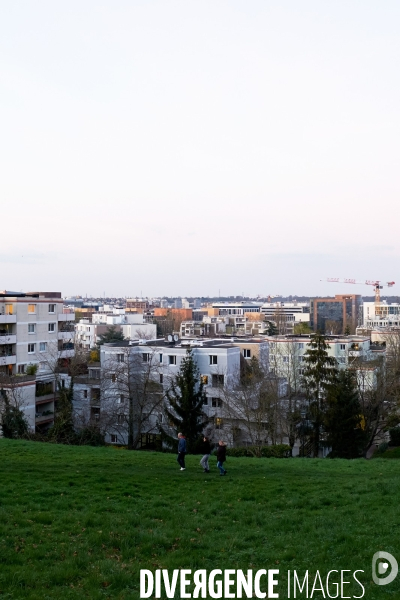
[221, 457]
[181, 450]
[206, 451]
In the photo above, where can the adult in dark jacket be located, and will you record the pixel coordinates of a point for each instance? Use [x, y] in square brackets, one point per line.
[206, 449]
[221, 457]
[181, 450]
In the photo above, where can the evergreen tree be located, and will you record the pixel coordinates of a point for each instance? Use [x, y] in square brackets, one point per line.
[272, 328]
[319, 374]
[342, 419]
[110, 336]
[186, 398]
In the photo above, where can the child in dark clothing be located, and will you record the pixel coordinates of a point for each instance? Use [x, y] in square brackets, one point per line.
[221, 457]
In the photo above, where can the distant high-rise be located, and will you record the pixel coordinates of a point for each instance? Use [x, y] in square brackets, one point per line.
[334, 315]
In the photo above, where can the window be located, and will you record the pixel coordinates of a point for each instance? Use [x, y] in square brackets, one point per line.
[146, 357]
[31, 348]
[21, 368]
[160, 358]
[85, 394]
[42, 346]
[161, 378]
[172, 359]
[217, 380]
[285, 359]
[300, 345]
[52, 327]
[121, 399]
[247, 353]
[120, 358]
[32, 309]
[218, 423]
[343, 346]
[206, 402]
[32, 328]
[9, 309]
[204, 379]
[216, 402]
[213, 359]
[52, 308]
[113, 378]
[120, 419]
[114, 438]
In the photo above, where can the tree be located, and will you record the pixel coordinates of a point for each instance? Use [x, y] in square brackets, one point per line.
[13, 421]
[272, 328]
[64, 372]
[319, 373]
[131, 393]
[252, 405]
[184, 403]
[302, 328]
[285, 360]
[343, 420]
[111, 335]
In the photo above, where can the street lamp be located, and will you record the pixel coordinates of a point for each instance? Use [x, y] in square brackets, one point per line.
[303, 414]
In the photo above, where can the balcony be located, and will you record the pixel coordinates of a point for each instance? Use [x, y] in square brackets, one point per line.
[8, 338]
[8, 318]
[66, 335]
[67, 353]
[9, 359]
[41, 418]
[46, 399]
[65, 317]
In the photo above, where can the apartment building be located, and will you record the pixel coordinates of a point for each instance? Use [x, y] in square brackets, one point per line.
[380, 315]
[132, 326]
[219, 363]
[35, 334]
[286, 356]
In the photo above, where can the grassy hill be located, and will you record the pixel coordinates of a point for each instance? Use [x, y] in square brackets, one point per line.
[79, 522]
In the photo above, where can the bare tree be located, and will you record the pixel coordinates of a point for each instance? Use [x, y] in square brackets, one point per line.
[251, 405]
[131, 393]
[286, 363]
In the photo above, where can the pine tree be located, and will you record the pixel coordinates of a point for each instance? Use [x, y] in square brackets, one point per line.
[319, 374]
[186, 398]
[111, 335]
[342, 419]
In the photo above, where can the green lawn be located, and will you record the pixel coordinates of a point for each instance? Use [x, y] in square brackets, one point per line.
[80, 522]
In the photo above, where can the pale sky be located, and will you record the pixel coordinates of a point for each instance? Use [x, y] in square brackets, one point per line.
[185, 147]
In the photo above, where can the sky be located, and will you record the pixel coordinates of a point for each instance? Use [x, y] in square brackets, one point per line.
[191, 148]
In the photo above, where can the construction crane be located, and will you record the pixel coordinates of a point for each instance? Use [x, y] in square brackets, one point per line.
[378, 285]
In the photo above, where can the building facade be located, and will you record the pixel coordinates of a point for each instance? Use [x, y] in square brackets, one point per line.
[35, 337]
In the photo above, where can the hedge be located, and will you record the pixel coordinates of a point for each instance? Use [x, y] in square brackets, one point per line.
[278, 451]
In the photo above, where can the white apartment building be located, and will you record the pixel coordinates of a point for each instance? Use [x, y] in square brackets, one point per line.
[35, 334]
[286, 356]
[218, 361]
[132, 326]
[380, 315]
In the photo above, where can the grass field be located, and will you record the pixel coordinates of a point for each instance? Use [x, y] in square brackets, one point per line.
[79, 522]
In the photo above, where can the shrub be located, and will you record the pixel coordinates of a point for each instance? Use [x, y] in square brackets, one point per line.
[277, 451]
[31, 369]
[382, 448]
[394, 436]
